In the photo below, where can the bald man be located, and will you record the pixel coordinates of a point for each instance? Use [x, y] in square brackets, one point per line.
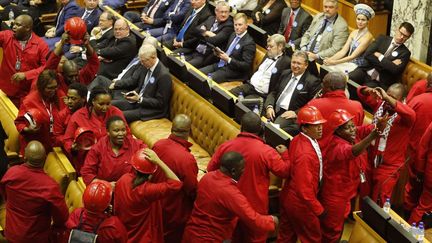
[21, 66]
[175, 152]
[119, 51]
[33, 199]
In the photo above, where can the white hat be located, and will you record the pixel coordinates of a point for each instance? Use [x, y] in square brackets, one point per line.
[365, 10]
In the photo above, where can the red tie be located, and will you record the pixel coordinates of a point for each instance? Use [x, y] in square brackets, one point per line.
[289, 27]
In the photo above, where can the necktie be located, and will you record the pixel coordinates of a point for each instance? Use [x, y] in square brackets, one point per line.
[152, 10]
[285, 93]
[314, 42]
[86, 15]
[229, 51]
[201, 48]
[146, 80]
[183, 30]
[391, 48]
[289, 27]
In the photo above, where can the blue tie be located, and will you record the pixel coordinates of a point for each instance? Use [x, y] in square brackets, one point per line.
[183, 30]
[229, 51]
[146, 81]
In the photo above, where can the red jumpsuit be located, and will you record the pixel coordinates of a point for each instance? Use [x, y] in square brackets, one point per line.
[177, 207]
[384, 177]
[61, 124]
[102, 163]
[85, 76]
[328, 103]
[81, 118]
[218, 206]
[34, 100]
[421, 104]
[261, 159]
[33, 60]
[140, 209]
[419, 87]
[424, 159]
[340, 181]
[299, 205]
[33, 199]
[110, 230]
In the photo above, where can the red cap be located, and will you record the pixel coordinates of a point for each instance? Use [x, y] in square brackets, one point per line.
[339, 117]
[76, 28]
[142, 164]
[85, 138]
[97, 196]
[33, 117]
[310, 115]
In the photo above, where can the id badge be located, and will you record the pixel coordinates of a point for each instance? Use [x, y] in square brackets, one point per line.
[362, 177]
[51, 129]
[18, 65]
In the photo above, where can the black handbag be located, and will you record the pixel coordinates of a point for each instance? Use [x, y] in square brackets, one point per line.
[79, 236]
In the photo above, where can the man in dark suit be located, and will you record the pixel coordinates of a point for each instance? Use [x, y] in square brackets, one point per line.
[90, 14]
[297, 87]
[152, 15]
[173, 18]
[187, 36]
[215, 30]
[294, 22]
[236, 61]
[266, 78]
[385, 59]
[151, 89]
[119, 51]
[102, 34]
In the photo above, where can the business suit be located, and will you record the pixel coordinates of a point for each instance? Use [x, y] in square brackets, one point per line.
[92, 20]
[223, 32]
[269, 19]
[190, 39]
[282, 64]
[389, 72]
[118, 52]
[103, 41]
[307, 87]
[156, 96]
[240, 66]
[303, 20]
[333, 38]
[173, 17]
[158, 16]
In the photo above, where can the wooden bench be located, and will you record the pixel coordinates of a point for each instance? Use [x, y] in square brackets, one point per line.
[48, 18]
[135, 5]
[73, 195]
[58, 167]
[8, 113]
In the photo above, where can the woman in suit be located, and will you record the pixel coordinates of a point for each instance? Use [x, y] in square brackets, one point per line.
[267, 15]
[351, 55]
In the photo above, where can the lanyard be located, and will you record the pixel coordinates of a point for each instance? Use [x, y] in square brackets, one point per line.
[318, 152]
[51, 118]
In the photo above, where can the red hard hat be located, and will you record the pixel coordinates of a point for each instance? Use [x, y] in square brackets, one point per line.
[76, 28]
[310, 115]
[97, 196]
[141, 164]
[339, 117]
[85, 138]
[34, 117]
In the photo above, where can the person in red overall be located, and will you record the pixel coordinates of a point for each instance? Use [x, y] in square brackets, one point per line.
[70, 72]
[48, 100]
[334, 97]
[95, 216]
[421, 104]
[220, 204]
[261, 159]
[24, 58]
[299, 206]
[387, 155]
[75, 99]
[33, 200]
[419, 87]
[137, 200]
[110, 157]
[344, 169]
[175, 152]
[424, 158]
[92, 116]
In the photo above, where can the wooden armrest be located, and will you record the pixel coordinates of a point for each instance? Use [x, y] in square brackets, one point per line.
[48, 18]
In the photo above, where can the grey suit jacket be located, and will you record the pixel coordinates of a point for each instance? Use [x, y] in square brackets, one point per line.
[332, 41]
[303, 20]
